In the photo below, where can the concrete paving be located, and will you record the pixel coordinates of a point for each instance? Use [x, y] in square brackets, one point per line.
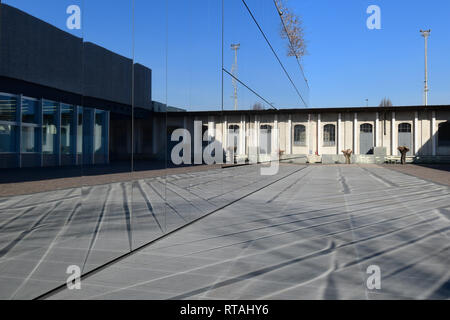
[311, 235]
[42, 234]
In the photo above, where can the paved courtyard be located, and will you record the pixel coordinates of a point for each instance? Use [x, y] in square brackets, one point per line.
[309, 232]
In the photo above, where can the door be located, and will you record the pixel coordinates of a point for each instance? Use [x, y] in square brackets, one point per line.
[366, 139]
[265, 140]
[405, 137]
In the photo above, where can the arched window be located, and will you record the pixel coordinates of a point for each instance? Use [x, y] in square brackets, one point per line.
[366, 127]
[404, 127]
[299, 135]
[444, 134]
[329, 135]
[233, 128]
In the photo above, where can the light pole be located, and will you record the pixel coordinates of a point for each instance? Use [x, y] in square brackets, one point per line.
[234, 70]
[426, 34]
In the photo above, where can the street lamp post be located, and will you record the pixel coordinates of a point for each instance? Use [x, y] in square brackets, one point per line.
[426, 34]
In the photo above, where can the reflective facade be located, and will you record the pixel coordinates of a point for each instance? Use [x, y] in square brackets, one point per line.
[43, 133]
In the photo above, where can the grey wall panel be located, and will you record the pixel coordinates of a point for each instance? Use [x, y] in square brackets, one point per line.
[35, 51]
[106, 74]
[142, 86]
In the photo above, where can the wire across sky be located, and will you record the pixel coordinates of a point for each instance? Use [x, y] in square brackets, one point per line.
[276, 57]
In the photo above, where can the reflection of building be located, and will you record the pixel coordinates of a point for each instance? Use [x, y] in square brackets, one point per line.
[38, 132]
[321, 134]
[64, 101]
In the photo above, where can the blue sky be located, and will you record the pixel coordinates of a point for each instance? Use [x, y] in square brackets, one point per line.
[181, 42]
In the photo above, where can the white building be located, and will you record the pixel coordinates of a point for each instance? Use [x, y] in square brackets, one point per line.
[321, 134]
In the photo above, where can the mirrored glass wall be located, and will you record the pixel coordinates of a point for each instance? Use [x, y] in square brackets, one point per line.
[117, 120]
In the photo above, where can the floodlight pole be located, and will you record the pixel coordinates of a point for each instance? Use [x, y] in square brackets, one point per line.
[426, 34]
[234, 70]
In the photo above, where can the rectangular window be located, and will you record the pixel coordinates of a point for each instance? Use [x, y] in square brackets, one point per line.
[8, 108]
[100, 132]
[80, 131]
[29, 139]
[299, 135]
[8, 134]
[329, 135]
[67, 130]
[30, 111]
[49, 128]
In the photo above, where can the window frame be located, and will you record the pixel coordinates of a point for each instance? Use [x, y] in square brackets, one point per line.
[447, 143]
[366, 124]
[407, 124]
[329, 143]
[299, 143]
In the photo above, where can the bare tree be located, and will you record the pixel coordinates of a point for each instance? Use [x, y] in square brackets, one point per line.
[257, 106]
[386, 102]
[292, 30]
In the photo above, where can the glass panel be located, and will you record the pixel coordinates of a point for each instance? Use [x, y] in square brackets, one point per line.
[329, 135]
[366, 127]
[67, 129]
[8, 138]
[8, 108]
[252, 39]
[444, 134]
[100, 138]
[404, 127]
[80, 131]
[29, 139]
[149, 122]
[300, 135]
[45, 237]
[30, 111]
[107, 146]
[49, 127]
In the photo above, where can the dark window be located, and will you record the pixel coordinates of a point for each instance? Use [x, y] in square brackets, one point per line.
[49, 127]
[329, 135]
[8, 106]
[233, 131]
[299, 135]
[404, 127]
[366, 127]
[30, 111]
[444, 134]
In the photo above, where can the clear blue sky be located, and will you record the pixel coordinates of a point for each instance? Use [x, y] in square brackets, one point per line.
[181, 42]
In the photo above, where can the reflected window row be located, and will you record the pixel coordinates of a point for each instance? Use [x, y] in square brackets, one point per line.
[39, 132]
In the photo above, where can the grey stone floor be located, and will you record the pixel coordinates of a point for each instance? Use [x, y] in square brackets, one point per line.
[311, 235]
[41, 234]
[309, 232]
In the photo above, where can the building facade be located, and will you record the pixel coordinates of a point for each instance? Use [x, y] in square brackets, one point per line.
[320, 135]
[65, 101]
